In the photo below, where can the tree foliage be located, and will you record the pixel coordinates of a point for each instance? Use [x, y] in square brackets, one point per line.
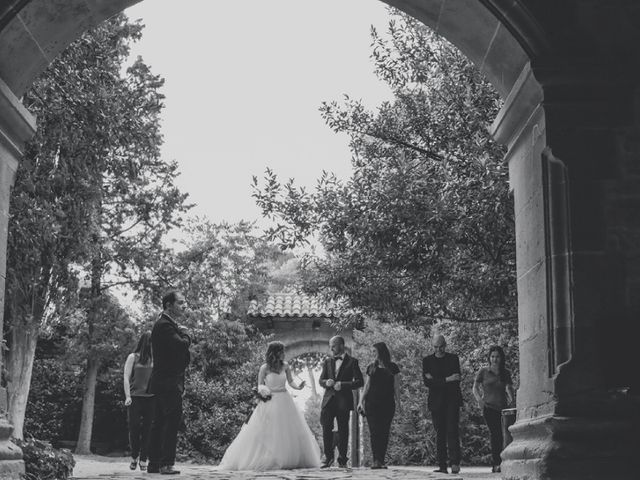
[424, 227]
[220, 268]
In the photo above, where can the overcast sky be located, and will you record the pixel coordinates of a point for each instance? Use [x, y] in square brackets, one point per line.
[244, 80]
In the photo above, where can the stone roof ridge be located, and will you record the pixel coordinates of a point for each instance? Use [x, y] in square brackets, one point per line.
[291, 304]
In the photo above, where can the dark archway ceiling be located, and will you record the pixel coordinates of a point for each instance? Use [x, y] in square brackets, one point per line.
[33, 32]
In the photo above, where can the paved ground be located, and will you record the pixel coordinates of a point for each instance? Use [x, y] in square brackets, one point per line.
[104, 468]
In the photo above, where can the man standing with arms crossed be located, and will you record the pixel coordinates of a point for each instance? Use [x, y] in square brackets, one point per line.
[441, 375]
[170, 346]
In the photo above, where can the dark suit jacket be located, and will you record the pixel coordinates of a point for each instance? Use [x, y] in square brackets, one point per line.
[349, 376]
[170, 348]
[441, 393]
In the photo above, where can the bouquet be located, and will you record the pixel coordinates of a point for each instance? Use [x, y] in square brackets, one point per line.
[262, 393]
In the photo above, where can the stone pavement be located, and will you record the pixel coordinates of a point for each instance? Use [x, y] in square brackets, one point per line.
[102, 468]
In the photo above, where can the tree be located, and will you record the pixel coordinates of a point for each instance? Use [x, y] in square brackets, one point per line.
[423, 229]
[95, 342]
[93, 196]
[220, 268]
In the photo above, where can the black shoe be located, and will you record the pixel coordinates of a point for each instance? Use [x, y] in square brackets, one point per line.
[327, 463]
[342, 462]
[169, 470]
[455, 468]
[153, 468]
[342, 465]
[134, 464]
[376, 465]
[441, 470]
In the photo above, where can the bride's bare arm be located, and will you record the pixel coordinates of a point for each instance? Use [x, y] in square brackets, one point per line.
[300, 386]
[262, 373]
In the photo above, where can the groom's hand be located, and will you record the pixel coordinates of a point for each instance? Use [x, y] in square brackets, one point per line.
[337, 386]
[330, 383]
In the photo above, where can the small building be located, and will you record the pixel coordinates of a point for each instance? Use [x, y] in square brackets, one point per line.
[304, 323]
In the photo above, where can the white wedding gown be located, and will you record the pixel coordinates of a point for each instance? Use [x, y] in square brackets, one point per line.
[276, 437]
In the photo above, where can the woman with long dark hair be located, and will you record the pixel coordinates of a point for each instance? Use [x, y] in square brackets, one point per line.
[380, 398]
[493, 390]
[139, 403]
[277, 435]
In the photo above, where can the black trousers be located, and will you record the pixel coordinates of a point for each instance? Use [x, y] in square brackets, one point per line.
[379, 428]
[445, 423]
[140, 416]
[327, 415]
[164, 430]
[494, 422]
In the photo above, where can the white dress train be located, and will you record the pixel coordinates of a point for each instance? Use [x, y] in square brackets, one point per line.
[276, 437]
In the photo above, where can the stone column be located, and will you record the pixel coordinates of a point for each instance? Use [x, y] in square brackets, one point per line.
[16, 127]
[574, 166]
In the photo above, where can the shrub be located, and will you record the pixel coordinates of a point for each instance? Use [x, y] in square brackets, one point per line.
[43, 462]
[55, 403]
[214, 411]
[218, 391]
[55, 400]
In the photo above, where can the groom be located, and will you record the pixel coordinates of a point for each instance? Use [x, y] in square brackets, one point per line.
[340, 375]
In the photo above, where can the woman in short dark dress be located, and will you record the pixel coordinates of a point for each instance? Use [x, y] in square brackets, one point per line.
[379, 400]
[139, 403]
[493, 390]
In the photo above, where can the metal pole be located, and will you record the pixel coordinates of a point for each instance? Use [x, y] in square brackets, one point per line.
[355, 431]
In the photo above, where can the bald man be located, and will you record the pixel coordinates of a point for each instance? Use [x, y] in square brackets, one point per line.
[441, 375]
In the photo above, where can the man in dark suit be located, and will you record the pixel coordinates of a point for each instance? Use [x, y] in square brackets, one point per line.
[340, 376]
[170, 347]
[441, 374]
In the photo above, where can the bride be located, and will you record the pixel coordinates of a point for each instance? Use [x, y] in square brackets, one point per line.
[276, 436]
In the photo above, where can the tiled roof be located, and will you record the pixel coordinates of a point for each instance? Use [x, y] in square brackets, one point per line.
[291, 305]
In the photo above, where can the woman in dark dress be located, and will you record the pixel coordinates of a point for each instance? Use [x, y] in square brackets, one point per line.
[379, 400]
[493, 390]
[139, 403]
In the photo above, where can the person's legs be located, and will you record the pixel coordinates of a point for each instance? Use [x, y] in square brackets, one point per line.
[147, 419]
[453, 434]
[134, 418]
[156, 433]
[439, 419]
[374, 433]
[172, 415]
[494, 423]
[343, 435]
[327, 416]
[385, 429]
[379, 427]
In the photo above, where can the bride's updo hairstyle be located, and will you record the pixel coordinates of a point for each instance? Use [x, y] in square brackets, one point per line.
[274, 359]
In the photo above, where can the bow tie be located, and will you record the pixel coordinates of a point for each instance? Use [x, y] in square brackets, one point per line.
[339, 357]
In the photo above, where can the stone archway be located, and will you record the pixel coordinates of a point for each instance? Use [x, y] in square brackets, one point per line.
[569, 74]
